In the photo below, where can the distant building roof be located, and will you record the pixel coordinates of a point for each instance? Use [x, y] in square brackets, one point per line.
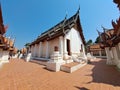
[95, 47]
[117, 2]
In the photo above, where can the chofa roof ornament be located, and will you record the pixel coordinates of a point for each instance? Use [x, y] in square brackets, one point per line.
[117, 2]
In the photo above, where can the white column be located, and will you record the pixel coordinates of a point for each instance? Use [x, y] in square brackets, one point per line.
[32, 50]
[119, 45]
[100, 54]
[37, 50]
[91, 53]
[61, 45]
[40, 49]
[65, 48]
[84, 51]
[35, 53]
[118, 52]
[5, 55]
[47, 49]
[115, 55]
[109, 57]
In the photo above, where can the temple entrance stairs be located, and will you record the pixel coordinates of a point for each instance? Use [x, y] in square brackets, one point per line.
[77, 62]
[73, 66]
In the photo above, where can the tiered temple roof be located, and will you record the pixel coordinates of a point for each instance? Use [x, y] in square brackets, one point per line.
[118, 3]
[61, 29]
[23, 50]
[5, 43]
[2, 28]
[109, 38]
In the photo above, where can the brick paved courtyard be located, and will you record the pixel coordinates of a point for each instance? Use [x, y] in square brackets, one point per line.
[20, 75]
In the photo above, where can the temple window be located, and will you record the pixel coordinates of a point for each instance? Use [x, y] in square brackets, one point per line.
[81, 48]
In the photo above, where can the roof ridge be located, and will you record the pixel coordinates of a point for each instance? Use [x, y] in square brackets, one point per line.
[77, 13]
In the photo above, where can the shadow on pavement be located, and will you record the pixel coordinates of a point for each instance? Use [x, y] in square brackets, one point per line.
[103, 73]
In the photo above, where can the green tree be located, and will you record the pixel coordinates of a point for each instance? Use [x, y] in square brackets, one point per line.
[89, 42]
[27, 46]
[97, 40]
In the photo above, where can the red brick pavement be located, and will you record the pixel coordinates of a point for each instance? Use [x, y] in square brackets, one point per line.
[20, 75]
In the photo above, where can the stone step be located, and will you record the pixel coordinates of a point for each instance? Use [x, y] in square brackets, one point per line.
[42, 62]
[69, 61]
[71, 67]
[41, 59]
[79, 59]
[4, 61]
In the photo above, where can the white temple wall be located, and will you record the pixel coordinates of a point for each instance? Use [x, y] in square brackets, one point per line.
[52, 44]
[37, 50]
[119, 46]
[110, 56]
[75, 41]
[43, 49]
[118, 51]
[61, 45]
[35, 53]
[4, 55]
[115, 56]
[40, 49]
[32, 50]
[47, 47]
[84, 54]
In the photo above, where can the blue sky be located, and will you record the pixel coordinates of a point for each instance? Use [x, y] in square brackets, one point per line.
[28, 18]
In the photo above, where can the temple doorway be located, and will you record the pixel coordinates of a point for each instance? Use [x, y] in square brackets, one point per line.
[68, 47]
